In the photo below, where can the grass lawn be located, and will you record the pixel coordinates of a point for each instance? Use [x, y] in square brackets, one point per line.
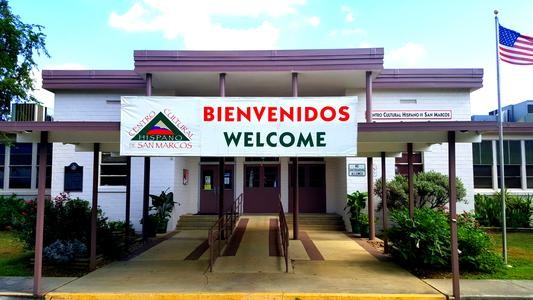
[14, 258]
[519, 253]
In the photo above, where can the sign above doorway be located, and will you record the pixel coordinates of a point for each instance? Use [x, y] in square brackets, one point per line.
[238, 126]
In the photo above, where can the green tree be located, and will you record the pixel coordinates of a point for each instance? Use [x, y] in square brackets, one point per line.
[18, 44]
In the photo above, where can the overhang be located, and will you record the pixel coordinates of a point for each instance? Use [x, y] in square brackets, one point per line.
[373, 138]
[471, 79]
[116, 80]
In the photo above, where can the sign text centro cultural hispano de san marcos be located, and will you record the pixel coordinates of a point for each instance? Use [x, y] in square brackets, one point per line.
[238, 126]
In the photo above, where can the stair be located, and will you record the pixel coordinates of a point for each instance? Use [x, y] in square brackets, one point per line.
[327, 222]
[196, 222]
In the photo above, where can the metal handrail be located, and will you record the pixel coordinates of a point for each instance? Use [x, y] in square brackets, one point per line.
[220, 233]
[284, 233]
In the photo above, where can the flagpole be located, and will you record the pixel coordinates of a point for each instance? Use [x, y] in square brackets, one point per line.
[500, 139]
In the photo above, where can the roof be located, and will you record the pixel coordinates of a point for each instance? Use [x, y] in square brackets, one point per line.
[429, 78]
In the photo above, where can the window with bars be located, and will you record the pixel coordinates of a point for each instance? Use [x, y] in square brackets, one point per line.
[482, 163]
[113, 170]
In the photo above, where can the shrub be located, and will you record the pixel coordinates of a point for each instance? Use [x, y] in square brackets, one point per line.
[424, 242]
[518, 210]
[63, 252]
[11, 209]
[430, 188]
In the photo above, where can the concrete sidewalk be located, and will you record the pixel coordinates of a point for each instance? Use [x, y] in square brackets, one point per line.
[486, 289]
[13, 286]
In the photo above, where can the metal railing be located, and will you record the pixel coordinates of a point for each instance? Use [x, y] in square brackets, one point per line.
[220, 233]
[284, 233]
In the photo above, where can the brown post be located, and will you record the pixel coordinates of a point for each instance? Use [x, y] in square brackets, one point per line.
[128, 203]
[368, 113]
[410, 180]
[39, 225]
[295, 190]
[385, 213]
[146, 196]
[222, 93]
[94, 206]
[369, 162]
[453, 214]
[146, 181]
[370, 188]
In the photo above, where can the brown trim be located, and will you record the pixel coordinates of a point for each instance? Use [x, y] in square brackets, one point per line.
[58, 126]
[274, 245]
[429, 78]
[310, 247]
[258, 61]
[198, 251]
[54, 80]
[39, 222]
[236, 238]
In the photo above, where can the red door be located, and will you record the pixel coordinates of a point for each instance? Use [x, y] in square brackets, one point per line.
[312, 188]
[261, 188]
[209, 188]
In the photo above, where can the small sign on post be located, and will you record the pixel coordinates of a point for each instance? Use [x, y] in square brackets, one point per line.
[356, 170]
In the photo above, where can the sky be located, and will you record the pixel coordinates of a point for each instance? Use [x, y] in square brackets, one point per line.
[102, 34]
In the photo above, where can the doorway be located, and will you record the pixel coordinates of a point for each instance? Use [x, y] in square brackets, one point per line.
[312, 186]
[261, 186]
[209, 188]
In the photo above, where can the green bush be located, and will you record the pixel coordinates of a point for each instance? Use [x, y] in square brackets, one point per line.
[518, 210]
[424, 242]
[67, 220]
[430, 188]
[11, 209]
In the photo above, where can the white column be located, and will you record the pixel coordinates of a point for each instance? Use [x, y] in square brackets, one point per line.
[239, 175]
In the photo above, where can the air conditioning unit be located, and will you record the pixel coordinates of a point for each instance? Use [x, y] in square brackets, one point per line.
[28, 112]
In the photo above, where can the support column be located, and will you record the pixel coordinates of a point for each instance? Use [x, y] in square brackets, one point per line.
[369, 162]
[295, 190]
[385, 213]
[222, 93]
[39, 223]
[410, 180]
[94, 206]
[453, 214]
[146, 196]
[146, 181]
[127, 216]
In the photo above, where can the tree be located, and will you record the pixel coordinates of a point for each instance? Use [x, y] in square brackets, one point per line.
[18, 44]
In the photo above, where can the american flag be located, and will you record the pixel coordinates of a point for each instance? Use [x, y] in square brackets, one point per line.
[515, 48]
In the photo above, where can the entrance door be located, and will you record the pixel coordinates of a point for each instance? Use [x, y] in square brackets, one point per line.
[209, 188]
[312, 187]
[261, 188]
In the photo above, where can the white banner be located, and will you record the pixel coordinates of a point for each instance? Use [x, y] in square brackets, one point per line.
[238, 126]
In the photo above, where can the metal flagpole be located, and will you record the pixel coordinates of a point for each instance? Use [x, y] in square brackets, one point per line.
[500, 139]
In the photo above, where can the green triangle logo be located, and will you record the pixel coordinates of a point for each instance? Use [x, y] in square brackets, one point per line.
[160, 129]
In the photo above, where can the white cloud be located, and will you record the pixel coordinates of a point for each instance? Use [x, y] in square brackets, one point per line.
[409, 55]
[313, 21]
[194, 21]
[348, 13]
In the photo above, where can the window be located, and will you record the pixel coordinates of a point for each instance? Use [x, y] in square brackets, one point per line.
[48, 166]
[529, 162]
[401, 164]
[113, 170]
[482, 157]
[530, 109]
[512, 158]
[20, 166]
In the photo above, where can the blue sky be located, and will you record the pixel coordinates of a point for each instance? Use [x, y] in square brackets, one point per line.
[102, 34]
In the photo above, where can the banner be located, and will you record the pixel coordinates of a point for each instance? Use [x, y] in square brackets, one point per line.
[238, 126]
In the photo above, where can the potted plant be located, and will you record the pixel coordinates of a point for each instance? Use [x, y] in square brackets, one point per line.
[162, 205]
[363, 225]
[152, 222]
[355, 203]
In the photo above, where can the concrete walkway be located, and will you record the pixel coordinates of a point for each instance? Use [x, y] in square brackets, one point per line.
[340, 270]
[486, 289]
